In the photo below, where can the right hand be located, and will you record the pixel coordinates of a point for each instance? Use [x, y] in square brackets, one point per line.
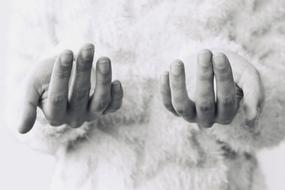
[214, 106]
[65, 99]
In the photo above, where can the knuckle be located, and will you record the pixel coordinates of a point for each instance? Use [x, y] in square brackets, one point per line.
[84, 66]
[101, 106]
[101, 102]
[80, 95]
[175, 86]
[205, 65]
[105, 80]
[63, 73]
[55, 118]
[206, 75]
[57, 99]
[102, 95]
[227, 101]
[205, 106]
[178, 100]
[190, 111]
[224, 75]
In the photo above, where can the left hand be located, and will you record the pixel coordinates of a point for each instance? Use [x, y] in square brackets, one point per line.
[210, 107]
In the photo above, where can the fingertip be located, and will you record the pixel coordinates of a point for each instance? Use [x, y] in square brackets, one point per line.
[104, 65]
[88, 48]
[164, 78]
[104, 60]
[87, 52]
[205, 52]
[117, 88]
[24, 130]
[220, 60]
[27, 122]
[205, 63]
[66, 57]
[204, 57]
[88, 45]
[177, 67]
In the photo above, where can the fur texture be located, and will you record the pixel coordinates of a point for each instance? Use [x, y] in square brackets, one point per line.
[142, 146]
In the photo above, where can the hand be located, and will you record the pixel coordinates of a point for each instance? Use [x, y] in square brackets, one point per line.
[65, 98]
[210, 107]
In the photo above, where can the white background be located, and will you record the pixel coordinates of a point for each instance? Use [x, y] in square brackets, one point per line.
[21, 168]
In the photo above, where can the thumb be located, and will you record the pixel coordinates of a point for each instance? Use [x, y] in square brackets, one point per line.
[27, 118]
[28, 111]
[253, 96]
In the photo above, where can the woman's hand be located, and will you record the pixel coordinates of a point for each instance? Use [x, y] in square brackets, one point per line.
[65, 97]
[214, 107]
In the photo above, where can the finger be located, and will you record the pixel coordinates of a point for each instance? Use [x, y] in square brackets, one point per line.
[81, 84]
[179, 96]
[55, 109]
[253, 95]
[205, 96]
[116, 97]
[102, 94]
[226, 89]
[166, 93]
[28, 113]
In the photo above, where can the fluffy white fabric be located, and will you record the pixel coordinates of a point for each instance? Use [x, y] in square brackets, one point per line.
[142, 146]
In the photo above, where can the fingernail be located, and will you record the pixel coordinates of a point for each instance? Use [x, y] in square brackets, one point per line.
[104, 65]
[176, 68]
[117, 86]
[66, 58]
[87, 52]
[204, 58]
[219, 60]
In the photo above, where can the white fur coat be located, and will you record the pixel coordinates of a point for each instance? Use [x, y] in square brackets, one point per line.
[142, 146]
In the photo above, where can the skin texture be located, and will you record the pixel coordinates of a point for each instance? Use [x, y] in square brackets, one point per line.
[213, 107]
[61, 103]
[66, 99]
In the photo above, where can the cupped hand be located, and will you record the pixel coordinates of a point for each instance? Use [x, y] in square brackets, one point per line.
[210, 105]
[64, 96]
